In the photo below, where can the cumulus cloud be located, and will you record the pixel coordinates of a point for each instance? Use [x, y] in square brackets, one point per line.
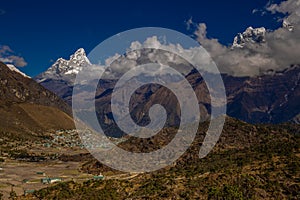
[260, 12]
[245, 61]
[18, 61]
[263, 52]
[189, 23]
[4, 49]
[155, 50]
[7, 56]
[279, 50]
[255, 11]
[285, 44]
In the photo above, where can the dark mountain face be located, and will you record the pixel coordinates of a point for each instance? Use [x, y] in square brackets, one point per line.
[264, 99]
[61, 88]
[26, 106]
[141, 102]
[268, 98]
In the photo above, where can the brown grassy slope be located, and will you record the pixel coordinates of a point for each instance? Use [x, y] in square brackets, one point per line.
[27, 107]
[33, 118]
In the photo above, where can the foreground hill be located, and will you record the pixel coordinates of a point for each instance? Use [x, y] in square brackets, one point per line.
[249, 162]
[27, 107]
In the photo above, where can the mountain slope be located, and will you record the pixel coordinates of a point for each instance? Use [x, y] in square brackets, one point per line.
[60, 77]
[27, 107]
[267, 98]
[270, 98]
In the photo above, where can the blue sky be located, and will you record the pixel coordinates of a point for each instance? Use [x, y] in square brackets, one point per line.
[42, 31]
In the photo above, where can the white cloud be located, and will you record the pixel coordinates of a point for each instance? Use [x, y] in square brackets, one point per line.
[5, 60]
[189, 23]
[261, 12]
[18, 61]
[156, 51]
[291, 8]
[4, 49]
[280, 50]
[255, 11]
[7, 56]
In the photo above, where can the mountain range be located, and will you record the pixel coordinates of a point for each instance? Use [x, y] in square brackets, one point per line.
[251, 161]
[271, 97]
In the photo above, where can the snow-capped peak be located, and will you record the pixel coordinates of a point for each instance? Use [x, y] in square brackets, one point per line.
[73, 66]
[13, 68]
[251, 35]
[80, 56]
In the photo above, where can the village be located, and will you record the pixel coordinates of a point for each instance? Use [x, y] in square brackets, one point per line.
[25, 167]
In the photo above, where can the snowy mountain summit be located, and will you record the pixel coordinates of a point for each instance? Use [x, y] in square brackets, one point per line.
[61, 75]
[13, 68]
[250, 36]
[66, 68]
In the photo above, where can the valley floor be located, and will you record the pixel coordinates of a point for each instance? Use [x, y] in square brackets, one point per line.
[249, 162]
